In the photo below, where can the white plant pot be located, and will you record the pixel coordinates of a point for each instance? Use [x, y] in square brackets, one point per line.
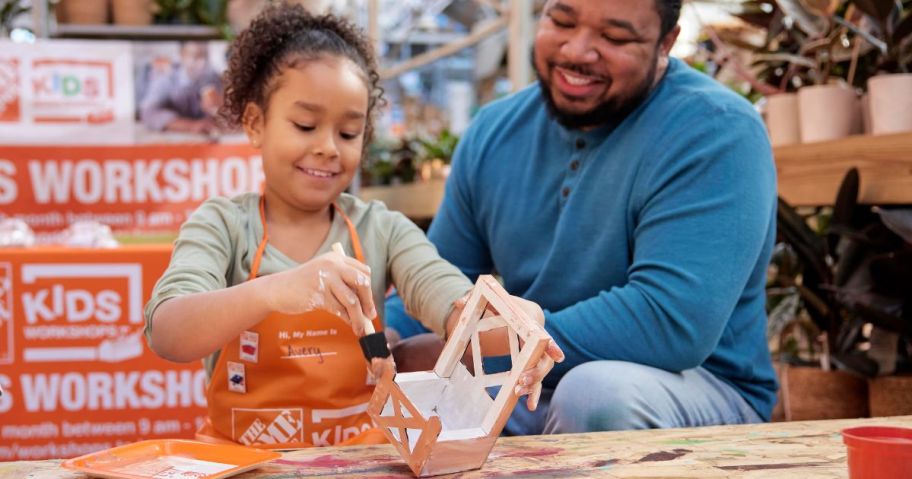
[866, 114]
[891, 103]
[828, 112]
[782, 119]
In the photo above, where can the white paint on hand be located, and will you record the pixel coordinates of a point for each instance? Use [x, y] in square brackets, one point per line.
[316, 301]
[322, 275]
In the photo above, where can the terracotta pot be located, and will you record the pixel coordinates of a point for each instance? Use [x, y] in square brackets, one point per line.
[132, 12]
[84, 12]
[890, 396]
[812, 393]
[828, 112]
[891, 103]
[782, 119]
[242, 12]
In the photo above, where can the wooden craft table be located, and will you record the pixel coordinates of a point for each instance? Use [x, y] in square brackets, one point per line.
[806, 450]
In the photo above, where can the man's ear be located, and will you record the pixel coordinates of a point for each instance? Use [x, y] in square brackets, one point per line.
[254, 120]
[669, 40]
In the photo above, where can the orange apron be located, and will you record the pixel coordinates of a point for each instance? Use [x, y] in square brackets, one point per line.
[292, 381]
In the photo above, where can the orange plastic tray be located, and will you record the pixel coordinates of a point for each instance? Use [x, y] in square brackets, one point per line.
[171, 459]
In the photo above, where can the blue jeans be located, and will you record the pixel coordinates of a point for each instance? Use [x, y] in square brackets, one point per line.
[617, 395]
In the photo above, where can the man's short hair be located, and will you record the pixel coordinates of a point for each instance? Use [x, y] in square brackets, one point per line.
[669, 12]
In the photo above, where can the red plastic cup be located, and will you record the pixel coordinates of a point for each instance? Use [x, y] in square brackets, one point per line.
[879, 452]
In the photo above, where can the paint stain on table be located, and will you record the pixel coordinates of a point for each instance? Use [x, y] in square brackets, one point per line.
[664, 455]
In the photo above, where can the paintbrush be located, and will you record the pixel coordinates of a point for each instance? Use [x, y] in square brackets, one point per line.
[373, 344]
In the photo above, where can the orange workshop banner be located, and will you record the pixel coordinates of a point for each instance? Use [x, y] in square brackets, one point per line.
[76, 372]
[133, 189]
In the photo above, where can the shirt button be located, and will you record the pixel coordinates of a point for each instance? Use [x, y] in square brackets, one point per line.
[574, 165]
[580, 143]
[566, 191]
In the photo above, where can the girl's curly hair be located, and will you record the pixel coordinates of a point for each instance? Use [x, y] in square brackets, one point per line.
[281, 36]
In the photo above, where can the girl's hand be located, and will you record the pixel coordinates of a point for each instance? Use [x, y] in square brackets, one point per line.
[330, 282]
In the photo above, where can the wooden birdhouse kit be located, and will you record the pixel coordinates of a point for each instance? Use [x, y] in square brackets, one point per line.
[444, 420]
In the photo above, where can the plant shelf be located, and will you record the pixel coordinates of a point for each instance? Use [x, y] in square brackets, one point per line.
[148, 32]
[810, 174]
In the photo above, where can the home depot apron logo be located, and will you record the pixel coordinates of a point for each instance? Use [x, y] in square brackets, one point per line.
[292, 380]
[269, 426]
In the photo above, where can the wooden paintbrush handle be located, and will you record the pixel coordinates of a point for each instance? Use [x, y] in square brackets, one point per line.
[368, 324]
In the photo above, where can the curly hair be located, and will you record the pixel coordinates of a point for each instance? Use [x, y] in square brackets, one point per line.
[282, 36]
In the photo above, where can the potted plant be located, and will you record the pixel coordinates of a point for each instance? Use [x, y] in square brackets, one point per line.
[808, 50]
[132, 12]
[195, 12]
[9, 11]
[84, 12]
[890, 86]
[772, 61]
[845, 286]
[829, 108]
[436, 153]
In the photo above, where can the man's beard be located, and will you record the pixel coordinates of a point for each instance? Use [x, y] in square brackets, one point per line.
[611, 111]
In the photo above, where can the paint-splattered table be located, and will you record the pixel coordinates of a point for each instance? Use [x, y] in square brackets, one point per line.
[806, 450]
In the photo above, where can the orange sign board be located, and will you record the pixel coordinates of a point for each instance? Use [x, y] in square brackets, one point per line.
[76, 372]
[132, 189]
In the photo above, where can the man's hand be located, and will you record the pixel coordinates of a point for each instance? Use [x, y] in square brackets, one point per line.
[496, 344]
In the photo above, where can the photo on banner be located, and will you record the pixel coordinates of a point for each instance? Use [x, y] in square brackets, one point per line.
[178, 90]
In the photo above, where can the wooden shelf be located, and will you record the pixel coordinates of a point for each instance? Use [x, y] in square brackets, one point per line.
[149, 32]
[810, 174]
[418, 200]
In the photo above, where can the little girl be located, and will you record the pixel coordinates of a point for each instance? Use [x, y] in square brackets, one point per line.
[253, 286]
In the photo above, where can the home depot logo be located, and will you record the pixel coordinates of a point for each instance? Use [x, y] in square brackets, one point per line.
[267, 426]
[67, 91]
[6, 313]
[9, 90]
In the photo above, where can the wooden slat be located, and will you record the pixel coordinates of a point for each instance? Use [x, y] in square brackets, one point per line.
[399, 422]
[810, 174]
[458, 342]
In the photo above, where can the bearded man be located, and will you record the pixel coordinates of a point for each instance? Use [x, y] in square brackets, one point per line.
[634, 199]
